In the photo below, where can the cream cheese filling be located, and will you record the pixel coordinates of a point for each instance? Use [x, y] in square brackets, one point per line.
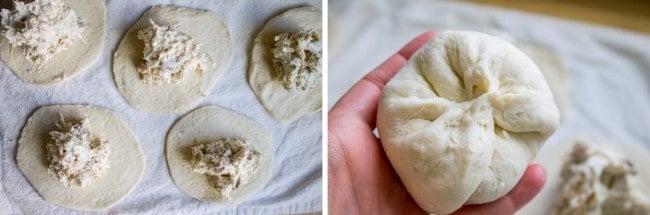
[228, 162]
[75, 155]
[168, 55]
[297, 59]
[42, 27]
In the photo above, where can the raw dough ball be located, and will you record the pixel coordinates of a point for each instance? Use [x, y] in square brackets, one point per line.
[204, 28]
[208, 124]
[283, 104]
[69, 62]
[462, 120]
[126, 161]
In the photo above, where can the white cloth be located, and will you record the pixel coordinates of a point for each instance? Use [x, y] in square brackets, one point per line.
[609, 69]
[295, 186]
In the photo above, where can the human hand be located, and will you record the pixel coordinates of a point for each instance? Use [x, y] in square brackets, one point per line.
[361, 180]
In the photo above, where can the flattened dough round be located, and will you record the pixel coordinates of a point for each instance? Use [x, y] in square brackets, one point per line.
[67, 63]
[125, 158]
[282, 104]
[208, 124]
[203, 27]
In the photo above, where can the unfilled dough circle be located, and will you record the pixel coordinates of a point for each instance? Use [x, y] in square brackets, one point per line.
[67, 63]
[126, 161]
[204, 28]
[281, 103]
[208, 124]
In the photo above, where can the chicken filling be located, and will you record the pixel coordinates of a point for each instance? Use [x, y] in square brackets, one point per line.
[42, 28]
[297, 60]
[229, 163]
[169, 55]
[599, 181]
[76, 156]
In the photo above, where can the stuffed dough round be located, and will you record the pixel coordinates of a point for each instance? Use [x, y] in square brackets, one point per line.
[69, 62]
[463, 118]
[125, 159]
[207, 124]
[283, 105]
[205, 28]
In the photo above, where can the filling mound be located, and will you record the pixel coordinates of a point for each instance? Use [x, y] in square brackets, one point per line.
[42, 27]
[76, 156]
[168, 55]
[297, 60]
[228, 162]
[598, 181]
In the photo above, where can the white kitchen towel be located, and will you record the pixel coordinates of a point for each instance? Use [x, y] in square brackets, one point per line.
[295, 186]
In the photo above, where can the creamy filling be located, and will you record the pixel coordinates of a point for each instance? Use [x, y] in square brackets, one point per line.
[76, 156]
[42, 28]
[297, 60]
[599, 181]
[168, 55]
[229, 163]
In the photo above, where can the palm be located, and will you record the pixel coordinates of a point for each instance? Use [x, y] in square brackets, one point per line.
[360, 174]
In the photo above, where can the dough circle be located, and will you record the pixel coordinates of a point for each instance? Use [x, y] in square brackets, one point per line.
[67, 63]
[282, 104]
[203, 27]
[207, 124]
[125, 158]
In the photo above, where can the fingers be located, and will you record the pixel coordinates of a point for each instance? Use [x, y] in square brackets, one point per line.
[528, 187]
[384, 72]
[532, 182]
[360, 102]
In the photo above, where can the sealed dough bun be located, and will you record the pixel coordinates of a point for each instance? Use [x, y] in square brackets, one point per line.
[207, 124]
[205, 28]
[69, 62]
[125, 159]
[462, 120]
[283, 105]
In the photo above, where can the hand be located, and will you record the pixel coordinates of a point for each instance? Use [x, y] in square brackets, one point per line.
[361, 179]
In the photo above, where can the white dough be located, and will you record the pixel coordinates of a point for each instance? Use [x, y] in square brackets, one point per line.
[67, 63]
[126, 161]
[461, 121]
[554, 72]
[283, 105]
[207, 124]
[205, 28]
